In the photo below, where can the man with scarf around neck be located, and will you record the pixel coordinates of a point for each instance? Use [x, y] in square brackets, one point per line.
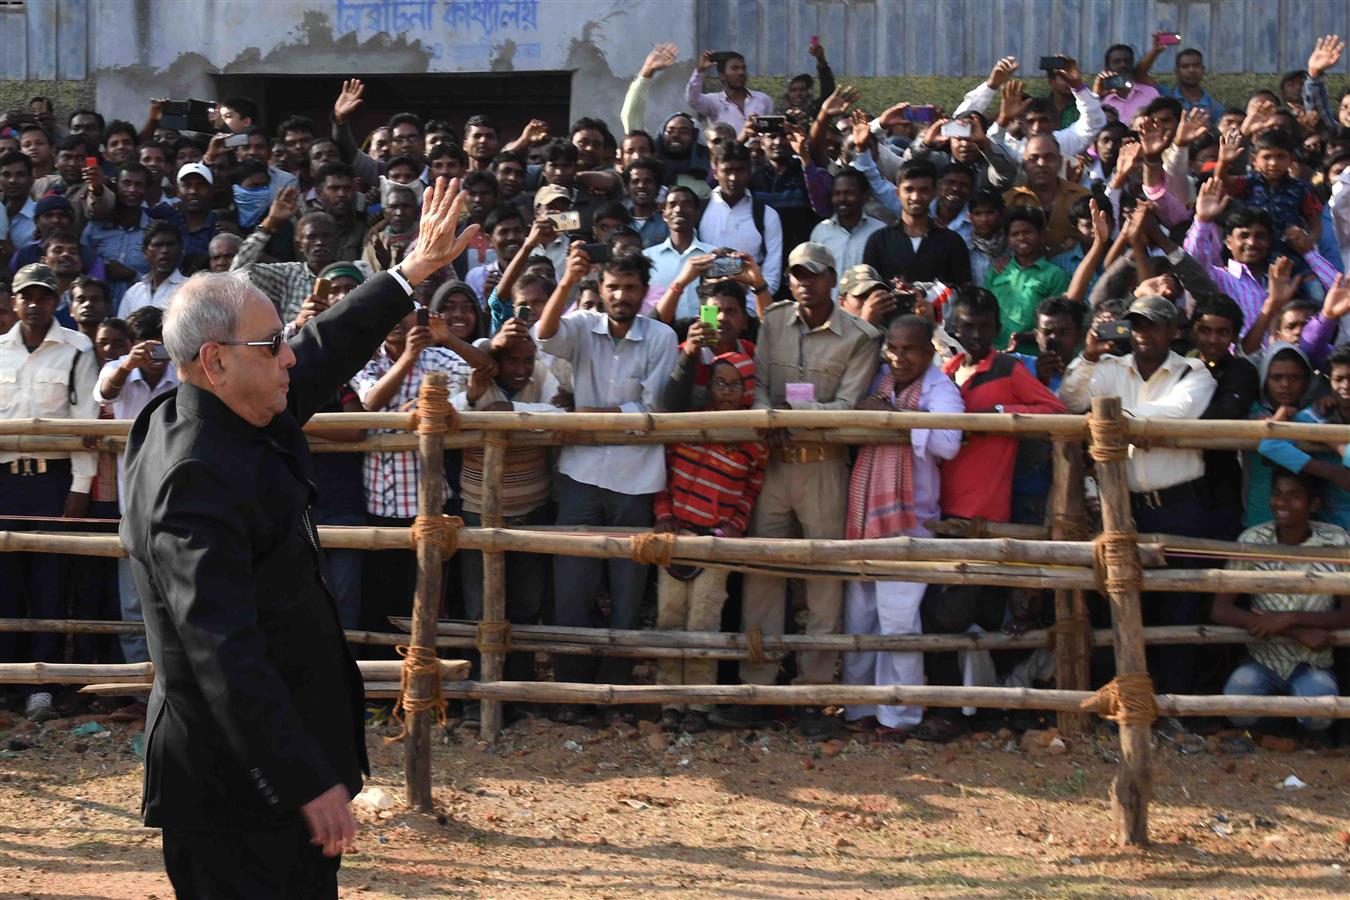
[810, 354]
[710, 489]
[893, 491]
[386, 246]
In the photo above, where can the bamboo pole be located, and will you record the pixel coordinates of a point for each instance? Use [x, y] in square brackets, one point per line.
[144, 673]
[427, 600]
[1133, 785]
[1071, 649]
[492, 662]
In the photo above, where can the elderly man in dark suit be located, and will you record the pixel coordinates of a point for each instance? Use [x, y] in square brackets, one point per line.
[255, 740]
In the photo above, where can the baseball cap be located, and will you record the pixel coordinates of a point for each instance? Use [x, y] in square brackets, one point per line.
[859, 279]
[814, 257]
[196, 169]
[550, 192]
[1154, 308]
[36, 274]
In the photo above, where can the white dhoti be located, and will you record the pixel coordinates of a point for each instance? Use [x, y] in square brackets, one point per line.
[883, 607]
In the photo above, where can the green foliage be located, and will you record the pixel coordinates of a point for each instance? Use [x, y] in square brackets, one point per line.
[68, 96]
[879, 93]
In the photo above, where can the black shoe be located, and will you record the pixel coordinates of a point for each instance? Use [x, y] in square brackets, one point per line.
[572, 714]
[742, 716]
[694, 722]
[814, 725]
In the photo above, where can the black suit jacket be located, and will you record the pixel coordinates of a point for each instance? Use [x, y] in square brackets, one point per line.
[942, 256]
[257, 703]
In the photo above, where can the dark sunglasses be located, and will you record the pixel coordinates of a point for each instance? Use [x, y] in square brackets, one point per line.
[273, 344]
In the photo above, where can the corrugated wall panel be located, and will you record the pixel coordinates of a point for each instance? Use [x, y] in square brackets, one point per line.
[14, 38]
[72, 40]
[42, 40]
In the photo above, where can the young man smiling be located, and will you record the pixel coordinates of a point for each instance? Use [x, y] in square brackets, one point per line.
[620, 363]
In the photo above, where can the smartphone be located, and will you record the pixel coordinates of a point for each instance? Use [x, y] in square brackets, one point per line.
[236, 140]
[159, 353]
[1166, 39]
[1052, 345]
[598, 253]
[1054, 63]
[565, 221]
[815, 40]
[1112, 331]
[707, 314]
[770, 124]
[423, 316]
[187, 115]
[719, 57]
[1118, 82]
[925, 115]
[956, 129]
[91, 162]
[322, 288]
[725, 266]
[524, 313]
[175, 107]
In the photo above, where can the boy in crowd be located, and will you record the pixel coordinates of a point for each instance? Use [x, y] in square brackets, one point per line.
[710, 489]
[1293, 656]
[1021, 280]
[1288, 385]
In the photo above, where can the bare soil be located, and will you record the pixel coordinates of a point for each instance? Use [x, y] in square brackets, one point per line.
[552, 811]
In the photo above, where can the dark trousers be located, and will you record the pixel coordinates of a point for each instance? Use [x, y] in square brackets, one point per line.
[1174, 668]
[526, 584]
[258, 865]
[389, 579]
[33, 585]
[951, 609]
[94, 593]
[576, 581]
[344, 567]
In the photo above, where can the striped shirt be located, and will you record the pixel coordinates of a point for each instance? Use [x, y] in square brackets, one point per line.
[391, 477]
[526, 473]
[1282, 655]
[712, 484]
[1235, 279]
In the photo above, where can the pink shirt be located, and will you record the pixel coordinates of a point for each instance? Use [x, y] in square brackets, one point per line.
[719, 108]
[1140, 95]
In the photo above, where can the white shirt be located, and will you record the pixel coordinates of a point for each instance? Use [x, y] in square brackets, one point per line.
[846, 246]
[629, 373]
[666, 265]
[37, 386]
[734, 226]
[142, 294]
[719, 107]
[135, 395]
[1179, 389]
[1072, 140]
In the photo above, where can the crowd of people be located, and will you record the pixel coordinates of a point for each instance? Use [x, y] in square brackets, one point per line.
[1056, 237]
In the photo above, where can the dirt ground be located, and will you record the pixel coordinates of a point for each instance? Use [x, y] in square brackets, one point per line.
[552, 811]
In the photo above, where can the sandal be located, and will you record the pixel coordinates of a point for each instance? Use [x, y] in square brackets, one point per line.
[937, 730]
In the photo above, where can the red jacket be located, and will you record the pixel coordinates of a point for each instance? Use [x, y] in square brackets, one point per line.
[978, 482]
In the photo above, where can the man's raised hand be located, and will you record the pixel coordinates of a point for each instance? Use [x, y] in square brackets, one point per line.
[437, 243]
[1002, 71]
[662, 56]
[349, 100]
[1325, 54]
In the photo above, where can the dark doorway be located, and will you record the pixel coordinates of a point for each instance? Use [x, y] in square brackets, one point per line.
[512, 98]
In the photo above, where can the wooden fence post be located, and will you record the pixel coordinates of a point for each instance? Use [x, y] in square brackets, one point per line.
[1133, 786]
[1072, 635]
[422, 688]
[491, 646]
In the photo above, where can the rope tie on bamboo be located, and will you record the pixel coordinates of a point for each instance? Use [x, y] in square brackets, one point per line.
[1110, 442]
[434, 414]
[1125, 699]
[440, 531]
[1066, 629]
[492, 637]
[1117, 551]
[652, 549]
[416, 661]
[754, 645]
[1069, 528]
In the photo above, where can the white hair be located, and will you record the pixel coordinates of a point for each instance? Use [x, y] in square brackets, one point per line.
[206, 308]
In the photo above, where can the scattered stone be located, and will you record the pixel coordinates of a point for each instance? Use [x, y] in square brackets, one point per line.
[1230, 767]
[376, 798]
[831, 748]
[1033, 739]
[573, 746]
[1004, 734]
[625, 731]
[979, 736]
[807, 763]
[17, 743]
[1057, 747]
[646, 727]
[843, 842]
[658, 740]
[727, 741]
[1293, 783]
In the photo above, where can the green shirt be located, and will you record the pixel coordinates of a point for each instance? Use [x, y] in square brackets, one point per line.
[1281, 655]
[1019, 291]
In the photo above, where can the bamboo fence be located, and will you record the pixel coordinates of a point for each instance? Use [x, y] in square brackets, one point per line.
[1057, 557]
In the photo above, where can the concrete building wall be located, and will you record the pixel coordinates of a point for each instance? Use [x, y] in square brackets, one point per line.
[131, 50]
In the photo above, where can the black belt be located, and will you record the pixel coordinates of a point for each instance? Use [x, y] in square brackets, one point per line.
[1187, 490]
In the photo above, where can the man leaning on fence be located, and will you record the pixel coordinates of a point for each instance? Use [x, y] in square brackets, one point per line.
[255, 744]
